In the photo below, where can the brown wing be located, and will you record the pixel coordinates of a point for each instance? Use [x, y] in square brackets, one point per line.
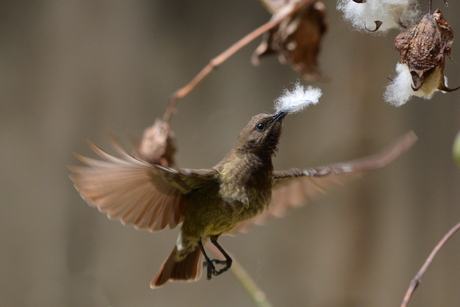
[293, 188]
[134, 191]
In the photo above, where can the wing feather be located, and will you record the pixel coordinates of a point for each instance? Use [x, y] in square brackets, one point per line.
[134, 191]
[295, 187]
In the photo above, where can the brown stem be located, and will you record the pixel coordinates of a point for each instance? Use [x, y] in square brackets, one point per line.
[184, 91]
[248, 284]
[416, 280]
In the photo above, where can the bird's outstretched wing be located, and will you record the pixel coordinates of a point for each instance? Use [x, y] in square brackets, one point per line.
[134, 191]
[294, 187]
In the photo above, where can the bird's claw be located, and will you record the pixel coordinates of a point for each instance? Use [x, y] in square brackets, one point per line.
[211, 269]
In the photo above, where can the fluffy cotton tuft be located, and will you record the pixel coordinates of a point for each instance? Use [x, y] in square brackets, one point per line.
[392, 13]
[399, 91]
[298, 99]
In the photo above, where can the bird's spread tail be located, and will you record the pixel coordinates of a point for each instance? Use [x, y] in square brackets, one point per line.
[187, 269]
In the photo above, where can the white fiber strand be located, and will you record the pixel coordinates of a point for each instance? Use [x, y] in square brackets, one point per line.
[297, 99]
[399, 91]
[392, 13]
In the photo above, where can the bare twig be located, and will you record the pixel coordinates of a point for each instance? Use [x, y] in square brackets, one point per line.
[215, 62]
[416, 280]
[248, 284]
[257, 295]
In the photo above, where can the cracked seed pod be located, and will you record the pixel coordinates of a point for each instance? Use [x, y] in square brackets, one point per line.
[297, 39]
[423, 48]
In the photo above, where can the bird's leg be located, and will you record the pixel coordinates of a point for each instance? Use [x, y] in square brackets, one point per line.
[211, 269]
[228, 260]
[209, 264]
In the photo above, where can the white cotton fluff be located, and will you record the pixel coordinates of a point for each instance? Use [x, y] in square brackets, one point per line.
[399, 91]
[392, 13]
[298, 99]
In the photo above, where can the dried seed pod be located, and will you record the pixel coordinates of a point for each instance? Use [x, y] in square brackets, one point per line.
[296, 40]
[423, 48]
[157, 147]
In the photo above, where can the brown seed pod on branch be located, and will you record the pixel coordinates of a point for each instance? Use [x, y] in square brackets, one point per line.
[158, 145]
[296, 39]
[423, 49]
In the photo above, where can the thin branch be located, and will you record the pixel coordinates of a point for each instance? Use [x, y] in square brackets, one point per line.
[248, 284]
[215, 62]
[416, 280]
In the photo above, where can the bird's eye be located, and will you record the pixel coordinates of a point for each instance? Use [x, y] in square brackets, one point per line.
[260, 127]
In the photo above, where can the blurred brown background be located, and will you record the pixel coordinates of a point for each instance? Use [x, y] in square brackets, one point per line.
[75, 70]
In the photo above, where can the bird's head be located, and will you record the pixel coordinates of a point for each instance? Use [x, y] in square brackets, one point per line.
[261, 134]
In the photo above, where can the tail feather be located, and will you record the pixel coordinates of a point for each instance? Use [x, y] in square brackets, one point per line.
[188, 269]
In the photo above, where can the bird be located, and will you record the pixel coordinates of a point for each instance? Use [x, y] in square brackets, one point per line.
[242, 189]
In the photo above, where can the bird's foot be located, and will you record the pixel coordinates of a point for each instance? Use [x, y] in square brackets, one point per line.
[211, 268]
